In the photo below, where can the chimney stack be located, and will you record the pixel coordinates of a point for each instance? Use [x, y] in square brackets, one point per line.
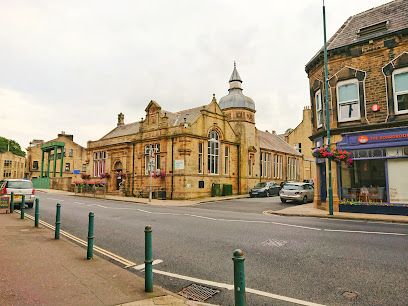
[121, 119]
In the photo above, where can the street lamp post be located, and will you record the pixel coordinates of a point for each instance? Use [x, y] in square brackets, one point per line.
[326, 98]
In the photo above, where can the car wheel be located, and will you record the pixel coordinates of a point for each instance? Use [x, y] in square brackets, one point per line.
[304, 199]
[267, 194]
[283, 200]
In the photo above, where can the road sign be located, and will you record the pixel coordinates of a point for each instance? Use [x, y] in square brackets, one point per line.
[76, 171]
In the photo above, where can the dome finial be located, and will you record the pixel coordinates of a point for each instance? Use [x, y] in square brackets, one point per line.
[235, 64]
[235, 75]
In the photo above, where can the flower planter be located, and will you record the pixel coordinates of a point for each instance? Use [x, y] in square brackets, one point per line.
[374, 209]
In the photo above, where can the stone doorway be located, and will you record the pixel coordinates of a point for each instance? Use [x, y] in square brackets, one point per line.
[118, 174]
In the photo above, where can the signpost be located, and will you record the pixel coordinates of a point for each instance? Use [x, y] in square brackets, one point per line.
[5, 204]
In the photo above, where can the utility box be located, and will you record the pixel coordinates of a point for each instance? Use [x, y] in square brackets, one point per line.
[226, 189]
[216, 190]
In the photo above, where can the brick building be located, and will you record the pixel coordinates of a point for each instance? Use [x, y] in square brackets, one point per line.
[11, 166]
[193, 151]
[368, 102]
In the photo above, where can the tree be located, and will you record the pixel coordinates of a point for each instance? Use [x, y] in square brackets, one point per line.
[10, 145]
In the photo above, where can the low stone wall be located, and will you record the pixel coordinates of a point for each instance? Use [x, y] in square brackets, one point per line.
[61, 183]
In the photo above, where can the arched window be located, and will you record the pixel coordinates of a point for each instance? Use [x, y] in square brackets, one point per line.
[213, 152]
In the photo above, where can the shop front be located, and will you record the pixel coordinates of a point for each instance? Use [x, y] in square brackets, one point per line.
[378, 180]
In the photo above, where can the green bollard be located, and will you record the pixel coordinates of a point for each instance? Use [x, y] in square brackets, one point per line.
[89, 252]
[239, 278]
[22, 206]
[12, 202]
[148, 259]
[58, 221]
[37, 212]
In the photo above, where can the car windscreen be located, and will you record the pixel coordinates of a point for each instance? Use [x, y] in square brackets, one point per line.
[260, 185]
[291, 187]
[19, 184]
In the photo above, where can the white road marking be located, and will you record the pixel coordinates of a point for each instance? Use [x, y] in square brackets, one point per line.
[79, 203]
[142, 266]
[53, 199]
[365, 232]
[244, 221]
[231, 287]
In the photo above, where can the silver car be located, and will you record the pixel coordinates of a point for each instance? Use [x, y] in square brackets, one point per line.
[298, 192]
[19, 187]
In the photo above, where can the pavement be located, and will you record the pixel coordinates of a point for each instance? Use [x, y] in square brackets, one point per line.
[36, 269]
[305, 210]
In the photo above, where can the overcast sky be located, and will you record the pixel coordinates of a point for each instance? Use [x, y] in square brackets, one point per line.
[74, 65]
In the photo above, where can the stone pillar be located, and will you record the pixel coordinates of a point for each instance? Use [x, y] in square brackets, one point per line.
[42, 164]
[317, 196]
[335, 186]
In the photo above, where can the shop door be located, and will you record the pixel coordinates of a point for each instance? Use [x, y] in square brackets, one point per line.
[323, 189]
[398, 180]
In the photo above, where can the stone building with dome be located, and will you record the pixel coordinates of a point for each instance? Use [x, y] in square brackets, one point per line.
[213, 149]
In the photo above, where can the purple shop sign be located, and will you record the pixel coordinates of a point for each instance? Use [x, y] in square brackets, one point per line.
[374, 139]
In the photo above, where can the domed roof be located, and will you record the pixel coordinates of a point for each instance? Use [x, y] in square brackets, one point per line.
[235, 98]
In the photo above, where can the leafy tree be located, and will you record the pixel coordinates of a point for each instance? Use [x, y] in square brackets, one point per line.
[13, 146]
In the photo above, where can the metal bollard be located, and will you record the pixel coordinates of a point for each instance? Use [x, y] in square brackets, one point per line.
[22, 206]
[148, 259]
[239, 278]
[58, 221]
[12, 202]
[89, 252]
[37, 212]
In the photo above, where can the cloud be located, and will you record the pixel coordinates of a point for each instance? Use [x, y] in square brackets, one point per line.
[74, 65]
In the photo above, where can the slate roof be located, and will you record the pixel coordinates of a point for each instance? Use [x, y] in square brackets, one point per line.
[395, 12]
[271, 141]
[124, 130]
[191, 115]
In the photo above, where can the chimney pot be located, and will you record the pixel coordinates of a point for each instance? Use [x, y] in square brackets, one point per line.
[121, 119]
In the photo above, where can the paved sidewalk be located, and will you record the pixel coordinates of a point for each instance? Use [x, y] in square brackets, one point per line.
[307, 210]
[146, 201]
[35, 269]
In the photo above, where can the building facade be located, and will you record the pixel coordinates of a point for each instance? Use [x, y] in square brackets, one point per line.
[368, 102]
[298, 138]
[41, 157]
[11, 166]
[194, 152]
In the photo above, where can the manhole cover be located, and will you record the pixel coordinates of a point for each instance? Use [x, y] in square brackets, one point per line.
[351, 295]
[197, 293]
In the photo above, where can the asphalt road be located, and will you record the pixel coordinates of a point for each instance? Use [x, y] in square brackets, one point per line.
[310, 259]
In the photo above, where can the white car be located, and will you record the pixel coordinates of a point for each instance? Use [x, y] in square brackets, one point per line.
[297, 192]
[19, 187]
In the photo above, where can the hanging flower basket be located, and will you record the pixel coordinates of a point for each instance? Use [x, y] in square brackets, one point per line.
[334, 154]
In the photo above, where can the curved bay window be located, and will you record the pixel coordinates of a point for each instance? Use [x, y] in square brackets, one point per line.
[213, 152]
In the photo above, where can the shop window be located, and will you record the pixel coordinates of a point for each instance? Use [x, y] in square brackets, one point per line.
[319, 108]
[348, 102]
[400, 81]
[398, 183]
[364, 182]
[35, 165]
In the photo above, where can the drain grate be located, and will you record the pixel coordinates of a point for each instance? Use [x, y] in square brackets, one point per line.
[197, 293]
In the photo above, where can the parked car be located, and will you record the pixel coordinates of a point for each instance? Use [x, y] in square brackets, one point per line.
[264, 189]
[19, 187]
[298, 192]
